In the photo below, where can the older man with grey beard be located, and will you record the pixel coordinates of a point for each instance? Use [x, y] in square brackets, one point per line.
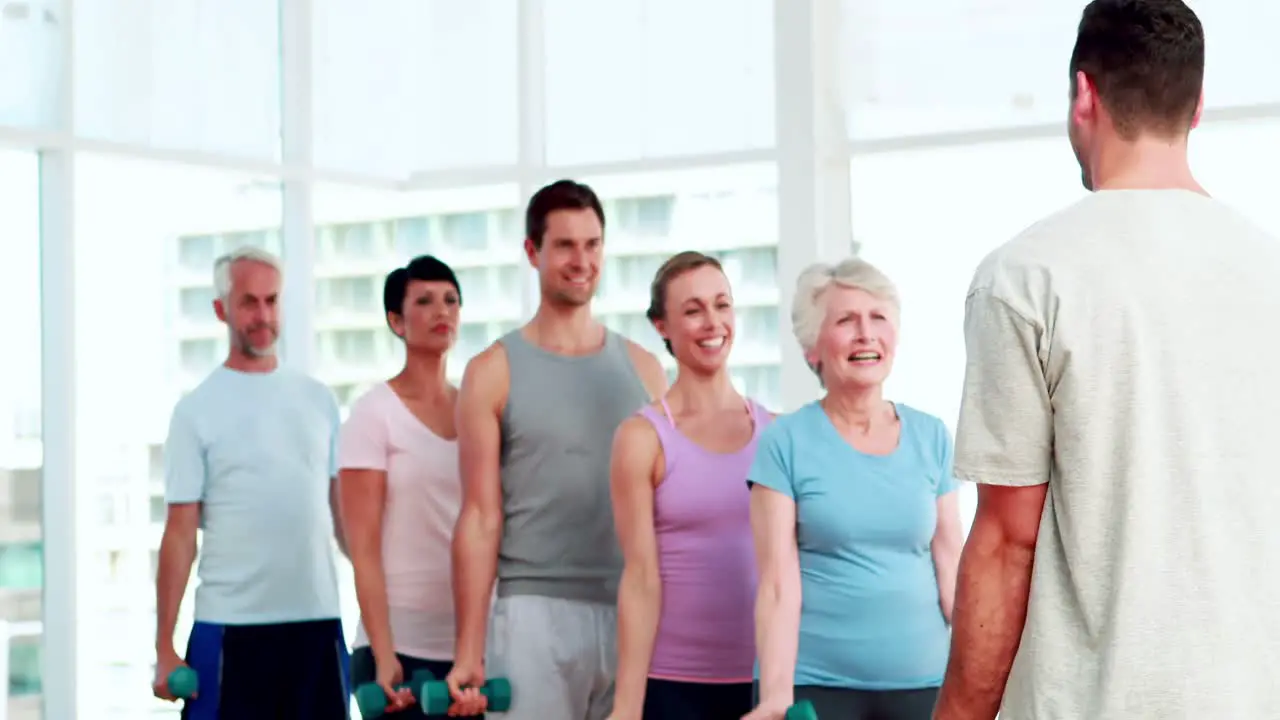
[250, 458]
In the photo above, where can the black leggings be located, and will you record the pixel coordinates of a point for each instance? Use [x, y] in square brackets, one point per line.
[364, 670]
[675, 700]
[842, 704]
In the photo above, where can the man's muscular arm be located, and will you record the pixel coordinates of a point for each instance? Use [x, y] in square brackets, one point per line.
[649, 369]
[1004, 442]
[479, 530]
[991, 601]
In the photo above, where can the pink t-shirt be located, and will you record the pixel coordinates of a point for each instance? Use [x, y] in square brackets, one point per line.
[424, 496]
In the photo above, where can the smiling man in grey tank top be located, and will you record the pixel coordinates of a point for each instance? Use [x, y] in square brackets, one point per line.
[536, 417]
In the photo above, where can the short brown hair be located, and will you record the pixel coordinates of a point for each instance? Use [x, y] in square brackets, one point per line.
[1146, 59]
[559, 195]
[674, 267]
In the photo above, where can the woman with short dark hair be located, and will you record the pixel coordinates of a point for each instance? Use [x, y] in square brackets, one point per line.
[401, 491]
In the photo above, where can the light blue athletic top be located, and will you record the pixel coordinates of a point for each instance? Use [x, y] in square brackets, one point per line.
[870, 618]
[258, 450]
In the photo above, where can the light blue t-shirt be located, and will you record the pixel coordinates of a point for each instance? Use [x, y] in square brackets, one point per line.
[870, 617]
[258, 451]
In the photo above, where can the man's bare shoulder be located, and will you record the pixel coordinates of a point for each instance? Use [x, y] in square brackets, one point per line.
[487, 376]
[491, 358]
[648, 367]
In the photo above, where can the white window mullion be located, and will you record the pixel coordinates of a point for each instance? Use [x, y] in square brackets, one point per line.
[297, 140]
[61, 666]
[531, 66]
[814, 216]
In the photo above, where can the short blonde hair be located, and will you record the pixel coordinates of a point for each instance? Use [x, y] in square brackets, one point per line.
[807, 311]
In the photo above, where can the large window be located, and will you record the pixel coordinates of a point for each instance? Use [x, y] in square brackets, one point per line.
[910, 68]
[147, 234]
[186, 74]
[683, 78]
[1236, 48]
[404, 86]
[21, 444]
[727, 212]
[31, 48]
[1232, 161]
[930, 67]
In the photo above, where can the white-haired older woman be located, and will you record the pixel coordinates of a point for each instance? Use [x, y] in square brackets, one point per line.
[854, 512]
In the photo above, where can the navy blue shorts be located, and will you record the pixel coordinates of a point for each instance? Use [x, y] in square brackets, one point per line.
[364, 669]
[281, 671]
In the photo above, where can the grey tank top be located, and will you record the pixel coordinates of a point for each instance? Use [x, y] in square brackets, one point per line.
[558, 538]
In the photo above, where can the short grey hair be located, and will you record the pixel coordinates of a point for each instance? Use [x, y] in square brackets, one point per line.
[248, 253]
[807, 311]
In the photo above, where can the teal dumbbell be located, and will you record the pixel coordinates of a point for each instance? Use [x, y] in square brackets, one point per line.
[436, 699]
[183, 682]
[372, 700]
[802, 710]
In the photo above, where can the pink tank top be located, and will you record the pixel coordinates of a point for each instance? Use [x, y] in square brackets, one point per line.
[701, 514]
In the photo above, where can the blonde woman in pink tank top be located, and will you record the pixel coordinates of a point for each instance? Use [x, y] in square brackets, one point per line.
[681, 506]
[401, 492]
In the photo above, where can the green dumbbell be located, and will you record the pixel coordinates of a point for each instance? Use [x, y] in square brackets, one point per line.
[436, 699]
[802, 710]
[372, 699]
[183, 682]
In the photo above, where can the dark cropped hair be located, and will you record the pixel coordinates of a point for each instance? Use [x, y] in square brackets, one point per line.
[559, 195]
[424, 267]
[674, 267]
[1146, 59]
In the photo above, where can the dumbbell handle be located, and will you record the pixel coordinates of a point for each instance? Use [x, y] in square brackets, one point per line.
[413, 685]
[401, 686]
[485, 690]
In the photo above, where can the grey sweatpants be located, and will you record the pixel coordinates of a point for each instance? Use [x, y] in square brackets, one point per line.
[560, 656]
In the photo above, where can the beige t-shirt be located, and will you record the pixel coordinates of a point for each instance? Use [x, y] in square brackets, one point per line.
[424, 497]
[1124, 351]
